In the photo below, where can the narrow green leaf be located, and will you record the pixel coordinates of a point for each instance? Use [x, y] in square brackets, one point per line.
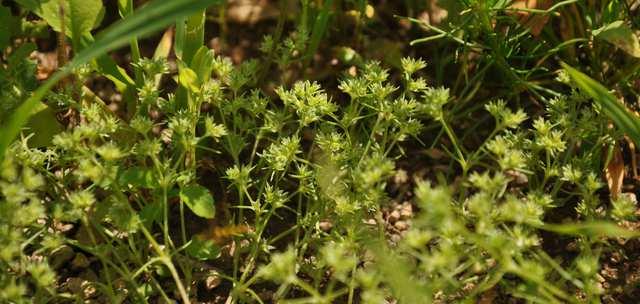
[151, 17]
[194, 36]
[44, 125]
[601, 229]
[319, 29]
[108, 67]
[199, 200]
[123, 8]
[202, 249]
[178, 45]
[162, 50]
[614, 109]
[620, 35]
[164, 46]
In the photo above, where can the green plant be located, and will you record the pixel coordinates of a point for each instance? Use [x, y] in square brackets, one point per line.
[263, 182]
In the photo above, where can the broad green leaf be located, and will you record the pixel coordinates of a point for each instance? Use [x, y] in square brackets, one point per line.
[614, 109]
[202, 249]
[620, 35]
[137, 177]
[122, 216]
[80, 16]
[199, 200]
[44, 125]
[188, 79]
[395, 270]
[202, 64]
[151, 213]
[600, 229]
[110, 69]
[8, 26]
[153, 16]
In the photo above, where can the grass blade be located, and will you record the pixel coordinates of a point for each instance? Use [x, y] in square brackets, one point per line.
[595, 229]
[319, 29]
[614, 109]
[147, 19]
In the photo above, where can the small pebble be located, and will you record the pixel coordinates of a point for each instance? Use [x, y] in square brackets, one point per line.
[74, 285]
[401, 225]
[325, 226]
[212, 282]
[88, 289]
[61, 256]
[394, 216]
[80, 261]
[370, 222]
[406, 212]
[400, 177]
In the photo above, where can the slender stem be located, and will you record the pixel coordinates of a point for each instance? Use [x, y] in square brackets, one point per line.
[166, 260]
[456, 146]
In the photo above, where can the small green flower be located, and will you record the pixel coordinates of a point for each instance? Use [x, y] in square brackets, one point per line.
[435, 99]
[89, 170]
[505, 118]
[282, 269]
[31, 180]
[417, 85]
[82, 199]
[491, 184]
[411, 65]
[309, 101]
[274, 197]
[13, 291]
[212, 129]
[153, 66]
[41, 273]
[623, 208]
[110, 152]
[340, 258]
[333, 143]
[239, 176]
[279, 155]
[141, 124]
[572, 174]
[148, 147]
[355, 87]
[520, 211]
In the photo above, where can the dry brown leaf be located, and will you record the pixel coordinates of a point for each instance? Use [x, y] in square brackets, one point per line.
[488, 296]
[634, 160]
[251, 11]
[221, 234]
[437, 14]
[614, 172]
[47, 63]
[535, 22]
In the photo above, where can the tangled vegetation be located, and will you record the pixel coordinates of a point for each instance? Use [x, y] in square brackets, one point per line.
[319, 151]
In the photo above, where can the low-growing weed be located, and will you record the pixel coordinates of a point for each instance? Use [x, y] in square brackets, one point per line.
[248, 182]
